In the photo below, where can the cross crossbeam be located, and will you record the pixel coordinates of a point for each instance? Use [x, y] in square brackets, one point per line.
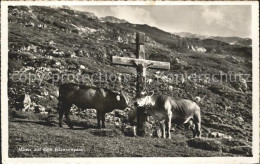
[129, 62]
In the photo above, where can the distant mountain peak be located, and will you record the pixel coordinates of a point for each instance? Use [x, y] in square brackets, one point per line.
[190, 35]
[112, 19]
[230, 40]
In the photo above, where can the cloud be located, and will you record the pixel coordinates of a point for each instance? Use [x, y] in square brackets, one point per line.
[132, 14]
[135, 15]
[216, 20]
[212, 15]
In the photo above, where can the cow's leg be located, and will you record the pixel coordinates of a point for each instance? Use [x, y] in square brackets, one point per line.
[168, 127]
[67, 115]
[191, 125]
[168, 118]
[61, 112]
[98, 119]
[134, 130]
[103, 120]
[168, 123]
[162, 123]
[198, 130]
[193, 129]
[197, 122]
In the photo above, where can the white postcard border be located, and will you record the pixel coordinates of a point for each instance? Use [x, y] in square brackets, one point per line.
[150, 160]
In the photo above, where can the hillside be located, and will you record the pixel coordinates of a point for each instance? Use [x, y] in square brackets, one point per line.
[50, 42]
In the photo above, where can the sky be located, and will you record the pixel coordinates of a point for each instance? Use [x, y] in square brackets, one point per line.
[212, 20]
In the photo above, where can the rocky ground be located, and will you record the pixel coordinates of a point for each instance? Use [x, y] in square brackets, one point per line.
[46, 43]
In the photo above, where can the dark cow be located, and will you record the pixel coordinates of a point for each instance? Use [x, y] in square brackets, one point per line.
[86, 97]
[170, 110]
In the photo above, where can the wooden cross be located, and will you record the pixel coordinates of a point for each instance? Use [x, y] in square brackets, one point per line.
[141, 65]
[140, 62]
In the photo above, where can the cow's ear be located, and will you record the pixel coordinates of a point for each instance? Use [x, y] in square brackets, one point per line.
[118, 97]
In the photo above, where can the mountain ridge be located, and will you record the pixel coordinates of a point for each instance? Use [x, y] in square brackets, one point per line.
[227, 39]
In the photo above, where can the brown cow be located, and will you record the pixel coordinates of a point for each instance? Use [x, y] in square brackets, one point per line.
[85, 97]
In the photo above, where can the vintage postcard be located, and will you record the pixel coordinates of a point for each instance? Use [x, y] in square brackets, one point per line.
[124, 82]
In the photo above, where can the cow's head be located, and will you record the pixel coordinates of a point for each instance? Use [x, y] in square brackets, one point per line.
[122, 99]
[143, 99]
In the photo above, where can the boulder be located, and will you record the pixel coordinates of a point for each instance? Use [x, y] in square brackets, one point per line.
[205, 144]
[23, 103]
[219, 135]
[129, 130]
[39, 109]
[120, 114]
[157, 132]
[240, 119]
[117, 124]
[74, 109]
[226, 108]
[148, 129]
[88, 111]
[57, 64]
[82, 67]
[117, 120]
[244, 85]
[170, 88]
[177, 60]
[149, 81]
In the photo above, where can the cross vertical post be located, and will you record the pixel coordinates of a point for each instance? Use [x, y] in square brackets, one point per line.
[140, 50]
[140, 67]
[141, 79]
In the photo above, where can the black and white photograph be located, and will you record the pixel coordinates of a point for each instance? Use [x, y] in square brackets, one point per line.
[83, 80]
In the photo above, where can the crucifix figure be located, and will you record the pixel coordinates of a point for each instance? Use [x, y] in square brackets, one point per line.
[141, 65]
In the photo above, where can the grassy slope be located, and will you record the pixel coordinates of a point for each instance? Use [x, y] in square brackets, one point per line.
[30, 134]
